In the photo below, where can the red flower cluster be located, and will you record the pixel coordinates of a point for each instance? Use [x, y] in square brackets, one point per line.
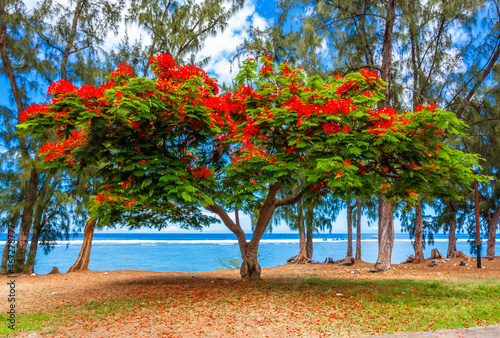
[382, 124]
[430, 107]
[63, 114]
[55, 151]
[199, 172]
[370, 77]
[123, 71]
[266, 69]
[33, 110]
[88, 91]
[163, 65]
[114, 199]
[346, 88]
[321, 187]
[333, 127]
[61, 87]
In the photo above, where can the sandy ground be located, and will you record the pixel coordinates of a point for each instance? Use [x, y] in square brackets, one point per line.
[39, 293]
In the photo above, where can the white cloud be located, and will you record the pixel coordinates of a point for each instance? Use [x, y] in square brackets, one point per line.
[222, 46]
[172, 228]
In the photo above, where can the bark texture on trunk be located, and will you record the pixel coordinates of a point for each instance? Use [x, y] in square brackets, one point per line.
[310, 230]
[250, 268]
[358, 231]
[385, 73]
[26, 220]
[6, 249]
[302, 256]
[419, 233]
[37, 229]
[349, 228]
[452, 239]
[492, 229]
[385, 235]
[82, 262]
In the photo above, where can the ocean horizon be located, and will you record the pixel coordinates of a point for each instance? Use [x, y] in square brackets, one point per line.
[196, 252]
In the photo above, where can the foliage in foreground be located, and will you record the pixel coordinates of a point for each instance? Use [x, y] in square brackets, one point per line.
[286, 306]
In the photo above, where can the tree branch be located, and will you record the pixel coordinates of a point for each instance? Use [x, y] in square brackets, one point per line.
[486, 71]
[228, 222]
[292, 200]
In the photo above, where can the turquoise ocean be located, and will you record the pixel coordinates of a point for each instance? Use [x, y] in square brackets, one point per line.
[198, 251]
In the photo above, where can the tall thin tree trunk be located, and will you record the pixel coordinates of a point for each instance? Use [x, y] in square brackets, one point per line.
[302, 256]
[71, 39]
[358, 230]
[419, 232]
[37, 229]
[452, 238]
[82, 262]
[385, 235]
[349, 228]
[385, 215]
[26, 220]
[8, 243]
[310, 230]
[492, 229]
[32, 187]
[385, 73]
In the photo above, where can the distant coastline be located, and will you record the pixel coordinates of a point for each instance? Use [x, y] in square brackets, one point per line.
[197, 252]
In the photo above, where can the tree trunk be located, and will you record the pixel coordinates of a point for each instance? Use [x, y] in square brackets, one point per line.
[302, 256]
[385, 235]
[419, 232]
[70, 43]
[37, 229]
[492, 229]
[349, 228]
[9, 71]
[26, 220]
[492, 60]
[385, 219]
[31, 196]
[310, 229]
[385, 73]
[82, 262]
[358, 231]
[250, 268]
[452, 239]
[8, 242]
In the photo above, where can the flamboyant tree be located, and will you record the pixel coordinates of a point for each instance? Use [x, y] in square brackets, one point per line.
[170, 145]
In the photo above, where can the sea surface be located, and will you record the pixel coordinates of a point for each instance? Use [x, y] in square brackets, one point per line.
[194, 252]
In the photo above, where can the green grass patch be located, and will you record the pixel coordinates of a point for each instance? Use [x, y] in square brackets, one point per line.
[24, 322]
[332, 306]
[416, 305]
